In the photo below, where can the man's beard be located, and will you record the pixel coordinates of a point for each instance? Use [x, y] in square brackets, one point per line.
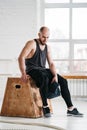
[41, 42]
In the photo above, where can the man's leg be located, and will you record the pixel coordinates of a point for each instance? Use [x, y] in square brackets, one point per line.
[67, 97]
[41, 80]
[65, 91]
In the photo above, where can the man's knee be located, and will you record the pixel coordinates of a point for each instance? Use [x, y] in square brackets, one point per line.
[62, 80]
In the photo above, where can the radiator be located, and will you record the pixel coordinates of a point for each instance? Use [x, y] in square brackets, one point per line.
[77, 85]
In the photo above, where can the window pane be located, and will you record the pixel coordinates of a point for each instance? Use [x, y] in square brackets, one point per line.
[62, 67]
[80, 66]
[56, 1]
[80, 51]
[79, 23]
[58, 22]
[79, 1]
[59, 50]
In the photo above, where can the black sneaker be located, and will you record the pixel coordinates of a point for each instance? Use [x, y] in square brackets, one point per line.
[74, 112]
[46, 112]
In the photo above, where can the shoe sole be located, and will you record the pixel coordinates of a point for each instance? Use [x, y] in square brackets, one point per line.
[74, 115]
[48, 115]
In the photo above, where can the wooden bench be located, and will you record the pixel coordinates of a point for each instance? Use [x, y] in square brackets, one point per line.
[75, 76]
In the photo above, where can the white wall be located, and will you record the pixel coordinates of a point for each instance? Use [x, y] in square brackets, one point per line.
[19, 21]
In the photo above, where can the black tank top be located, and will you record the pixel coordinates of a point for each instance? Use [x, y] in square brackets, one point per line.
[38, 61]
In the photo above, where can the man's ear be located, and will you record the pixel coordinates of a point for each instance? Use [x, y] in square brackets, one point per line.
[39, 34]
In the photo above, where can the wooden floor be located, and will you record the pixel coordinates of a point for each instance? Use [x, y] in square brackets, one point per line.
[58, 121]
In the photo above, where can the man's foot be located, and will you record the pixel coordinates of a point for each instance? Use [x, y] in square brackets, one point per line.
[46, 112]
[74, 112]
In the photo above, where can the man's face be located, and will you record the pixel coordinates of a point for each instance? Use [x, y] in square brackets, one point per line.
[44, 36]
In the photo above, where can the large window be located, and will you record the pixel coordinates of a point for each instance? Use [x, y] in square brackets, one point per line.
[58, 22]
[79, 23]
[67, 20]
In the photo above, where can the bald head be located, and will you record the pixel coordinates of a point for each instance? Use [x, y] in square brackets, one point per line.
[44, 28]
[43, 34]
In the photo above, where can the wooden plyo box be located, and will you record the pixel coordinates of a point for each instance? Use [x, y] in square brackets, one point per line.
[22, 99]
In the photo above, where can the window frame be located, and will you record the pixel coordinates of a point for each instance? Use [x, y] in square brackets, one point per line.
[71, 41]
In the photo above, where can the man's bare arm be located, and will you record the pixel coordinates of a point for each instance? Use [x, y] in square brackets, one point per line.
[23, 55]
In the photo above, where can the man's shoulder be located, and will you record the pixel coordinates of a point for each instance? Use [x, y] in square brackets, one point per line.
[30, 42]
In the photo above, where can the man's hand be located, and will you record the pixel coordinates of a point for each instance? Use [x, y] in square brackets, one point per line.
[55, 78]
[24, 77]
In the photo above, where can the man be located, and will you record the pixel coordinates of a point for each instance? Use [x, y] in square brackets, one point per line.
[32, 61]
